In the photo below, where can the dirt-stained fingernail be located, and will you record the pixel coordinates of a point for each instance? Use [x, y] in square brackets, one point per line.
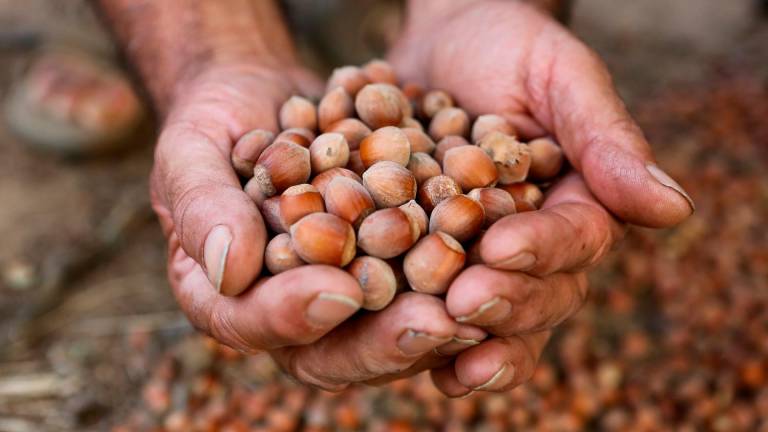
[499, 379]
[215, 254]
[521, 262]
[489, 313]
[455, 346]
[330, 309]
[413, 343]
[669, 182]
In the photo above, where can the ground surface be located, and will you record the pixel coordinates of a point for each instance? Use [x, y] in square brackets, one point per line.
[675, 333]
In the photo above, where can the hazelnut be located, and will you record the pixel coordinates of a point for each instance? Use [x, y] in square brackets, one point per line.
[423, 167]
[349, 200]
[512, 158]
[449, 121]
[248, 149]
[488, 123]
[396, 264]
[387, 233]
[420, 142]
[546, 158]
[446, 144]
[270, 211]
[351, 78]
[380, 105]
[459, 216]
[412, 123]
[299, 201]
[336, 105]
[527, 196]
[377, 280]
[323, 238]
[300, 136]
[433, 263]
[386, 144]
[379, 71]
[390, 184]
[329, 150]
[470, 166]
[355, 163]
[414, 93]
[496, 202]
[280, 166]
[436, 189]
[280, 256]
[353, 130]
[417, 215]
[321, 180]
[298, 112]
[435, 101]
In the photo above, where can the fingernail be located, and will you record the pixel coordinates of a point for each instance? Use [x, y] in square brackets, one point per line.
[413, 342]
[464, 396]
[500, 379]
[330, 309]
[489, 313]
[215, 254]
[669, 182]
[455, 346]
[521, 261]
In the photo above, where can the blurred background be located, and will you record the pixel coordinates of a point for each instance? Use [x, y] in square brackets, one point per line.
[674, 336]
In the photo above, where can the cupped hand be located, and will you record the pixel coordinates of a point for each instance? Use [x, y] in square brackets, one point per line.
[216, 239]
[508, 58]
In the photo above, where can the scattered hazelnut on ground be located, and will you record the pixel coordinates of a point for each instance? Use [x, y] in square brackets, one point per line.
[386, 144]
[433, 263]
[248, 149]
[420, 141]
[298, 112]
[349, 200]
[379, 71]
[488, 123]
[470, 166]
[280, 256]
[497, 203]
[390, 184]
[376, 278]
[280, 166]
[299, 201]
[323, 238]
[270, 211]
[512, 158]
[380, 105]
[527, 196]
[300, 136]
[417, 215]
[321, 180]
[387, 233]
[434, 101]
[329, 150]
[546, 158]
[353, 130]
[334, 106]
[446, 144]
[436, 189]
[351, 78]
[355, 163]
[459, 216]
[423, 167]
[449, 121]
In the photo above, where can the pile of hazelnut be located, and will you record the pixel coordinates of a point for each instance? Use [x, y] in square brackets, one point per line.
[391, 189]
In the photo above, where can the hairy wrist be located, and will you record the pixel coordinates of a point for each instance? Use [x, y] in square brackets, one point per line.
[171, 43]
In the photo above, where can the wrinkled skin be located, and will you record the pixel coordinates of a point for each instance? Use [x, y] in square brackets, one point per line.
[494, 57]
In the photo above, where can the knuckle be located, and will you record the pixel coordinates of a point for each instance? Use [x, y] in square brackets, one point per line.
[221, 327]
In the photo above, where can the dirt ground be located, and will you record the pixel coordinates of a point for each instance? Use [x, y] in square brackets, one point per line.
[86, 313]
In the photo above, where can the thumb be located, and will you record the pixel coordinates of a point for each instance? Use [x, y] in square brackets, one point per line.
[603, 142]
[202, 201]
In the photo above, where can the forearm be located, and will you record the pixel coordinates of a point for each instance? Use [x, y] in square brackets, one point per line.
[170, 42]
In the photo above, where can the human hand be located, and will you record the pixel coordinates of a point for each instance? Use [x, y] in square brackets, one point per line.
[508, 58]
